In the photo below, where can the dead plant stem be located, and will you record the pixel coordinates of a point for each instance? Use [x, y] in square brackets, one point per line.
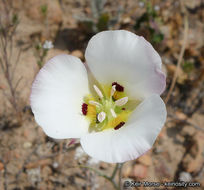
[186, 27]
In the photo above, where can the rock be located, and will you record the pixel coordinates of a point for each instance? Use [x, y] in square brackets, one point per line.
[185, 176]
[27, 145]
[34, 175]
[1, 166]
[38, 163]
[46, 172]
[145, 160]
[181, 115]
[127, 170]
[55, 165]
[188, 130]
[93, 161]
[139, 171]
[192, 4]
[104, 165]
[162, 168]
[80, 155]
[126, 20]
[13, 167]
[193, 161]
[78, 54]
[79, 182]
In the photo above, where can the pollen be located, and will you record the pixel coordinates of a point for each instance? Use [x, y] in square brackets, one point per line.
[118, 87]
[115, 122]
[84, 108]
[91, 111]
[118, 95]
[119, 125]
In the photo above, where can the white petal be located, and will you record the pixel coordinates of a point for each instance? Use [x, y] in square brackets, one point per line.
[57, 96]
[133, 139]
[123, 57]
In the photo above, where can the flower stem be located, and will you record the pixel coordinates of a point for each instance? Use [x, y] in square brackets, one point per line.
[115, 171]
[110, 179]
[120, 175]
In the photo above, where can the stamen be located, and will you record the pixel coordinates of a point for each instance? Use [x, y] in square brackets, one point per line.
[119, 125]
[119, 88]
[113, 89]
[101, 116]
[113, 113]
[84, 108]
[98, 91]
[94, 103]
[121, 101]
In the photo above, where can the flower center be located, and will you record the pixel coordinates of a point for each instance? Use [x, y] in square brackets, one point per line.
[106, 108]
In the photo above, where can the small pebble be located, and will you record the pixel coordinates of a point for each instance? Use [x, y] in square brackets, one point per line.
[27, 145]
[141, 4]
[55, 165]
[156, 7]
[185, 176]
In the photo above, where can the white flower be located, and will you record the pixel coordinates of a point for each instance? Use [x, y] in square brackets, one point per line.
[48, 45]
[73, 100]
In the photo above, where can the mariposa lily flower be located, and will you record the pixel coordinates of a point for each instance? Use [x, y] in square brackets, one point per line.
[112, 102]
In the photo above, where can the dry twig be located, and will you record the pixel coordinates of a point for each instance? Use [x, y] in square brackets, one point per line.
[186, 27]
[8, 27]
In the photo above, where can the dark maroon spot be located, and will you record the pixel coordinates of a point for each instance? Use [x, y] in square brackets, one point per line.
[84, 108]
[118, 87]
[97, 121]
[123, 109]
[119, 125]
